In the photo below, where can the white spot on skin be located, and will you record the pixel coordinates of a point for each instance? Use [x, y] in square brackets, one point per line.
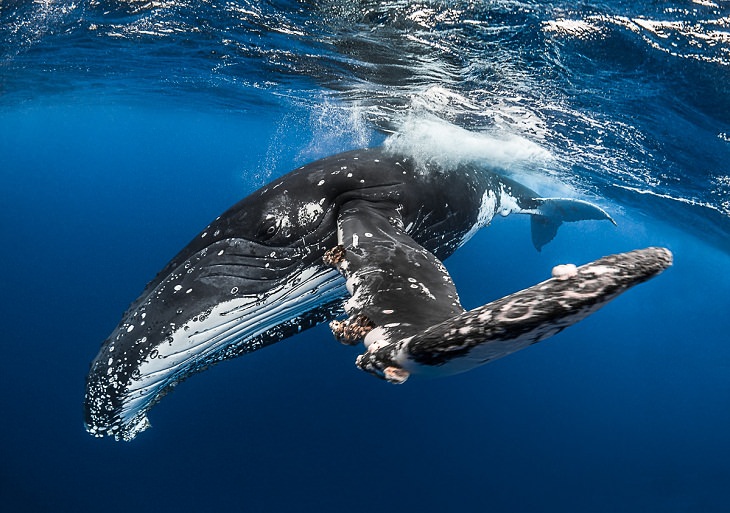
[355, 240]
[204, 234]
[178, 287]
[131, 327]
[378, 344]
[368, 234]
[564, 271]
[309, 212]
[376, 337]
[599, 270]
[352, 304]
[508, 203]
[487, 210]
[321, 182]
[351, 283]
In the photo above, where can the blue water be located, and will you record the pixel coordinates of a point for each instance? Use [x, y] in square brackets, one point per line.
[125, 127]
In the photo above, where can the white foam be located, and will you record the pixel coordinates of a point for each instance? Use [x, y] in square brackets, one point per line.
[429, 139]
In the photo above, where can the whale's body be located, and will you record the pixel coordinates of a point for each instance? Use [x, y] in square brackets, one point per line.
[256, 275]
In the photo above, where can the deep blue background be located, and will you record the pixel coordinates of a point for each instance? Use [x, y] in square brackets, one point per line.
[626, 411]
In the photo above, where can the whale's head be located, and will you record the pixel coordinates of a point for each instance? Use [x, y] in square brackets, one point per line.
[253, 277]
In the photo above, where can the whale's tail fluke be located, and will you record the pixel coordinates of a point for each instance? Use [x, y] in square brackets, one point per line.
[549, 213]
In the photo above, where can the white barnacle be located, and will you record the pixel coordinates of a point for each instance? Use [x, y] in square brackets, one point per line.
[395, 375]
[564, 271]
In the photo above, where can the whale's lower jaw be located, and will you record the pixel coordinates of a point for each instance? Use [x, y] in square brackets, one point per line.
[229, 329]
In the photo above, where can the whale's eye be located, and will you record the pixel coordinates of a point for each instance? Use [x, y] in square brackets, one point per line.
[268, 228]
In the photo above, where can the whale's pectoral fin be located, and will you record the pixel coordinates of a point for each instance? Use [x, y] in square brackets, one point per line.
[398, 288]
[405, 306]
[549, 213]
[516, 321]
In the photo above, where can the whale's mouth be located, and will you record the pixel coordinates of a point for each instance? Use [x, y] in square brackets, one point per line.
[171, 333]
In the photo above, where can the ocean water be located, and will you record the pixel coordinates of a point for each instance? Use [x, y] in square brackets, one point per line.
[125, 127]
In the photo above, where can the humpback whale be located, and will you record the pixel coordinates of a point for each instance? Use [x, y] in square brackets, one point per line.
[362, 233]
